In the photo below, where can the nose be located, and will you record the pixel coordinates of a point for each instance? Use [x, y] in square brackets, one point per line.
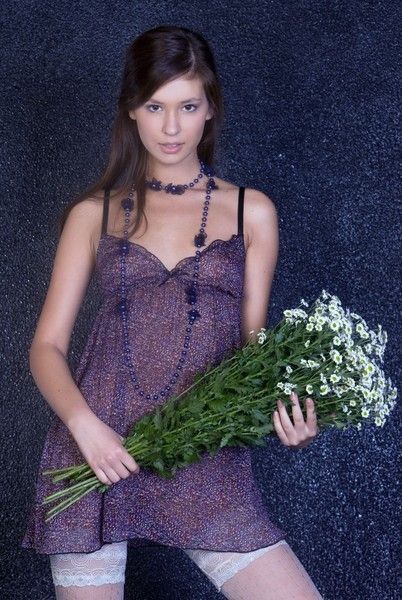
[171, 124]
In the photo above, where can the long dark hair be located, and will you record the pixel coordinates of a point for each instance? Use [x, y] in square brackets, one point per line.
[154, 58]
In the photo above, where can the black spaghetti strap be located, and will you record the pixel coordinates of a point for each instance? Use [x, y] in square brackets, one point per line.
[240, 211]
[105, 210]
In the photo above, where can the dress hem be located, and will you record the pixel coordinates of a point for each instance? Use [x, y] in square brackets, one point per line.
[138, 542]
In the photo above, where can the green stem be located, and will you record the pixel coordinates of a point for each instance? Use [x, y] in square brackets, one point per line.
[66, 503]
[78, 486]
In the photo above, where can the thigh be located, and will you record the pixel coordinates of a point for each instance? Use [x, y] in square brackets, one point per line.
[98, 574]
[221, 566]
[276, 575]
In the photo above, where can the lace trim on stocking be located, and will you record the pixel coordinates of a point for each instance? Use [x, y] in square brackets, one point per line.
[106, 565]
[220, 566]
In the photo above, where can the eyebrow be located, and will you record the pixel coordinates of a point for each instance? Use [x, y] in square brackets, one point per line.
[183, 101]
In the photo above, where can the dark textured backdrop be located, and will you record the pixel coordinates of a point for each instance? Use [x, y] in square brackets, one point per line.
[312, 105]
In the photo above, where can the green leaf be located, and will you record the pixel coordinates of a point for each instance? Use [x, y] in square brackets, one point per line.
[218, 405]
[195, 406]
[279, 337]
[157, 420]
[256, 381]
[158, 464]
[263, 418]
[225, 439]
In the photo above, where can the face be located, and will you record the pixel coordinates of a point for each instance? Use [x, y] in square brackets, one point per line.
[176, 113]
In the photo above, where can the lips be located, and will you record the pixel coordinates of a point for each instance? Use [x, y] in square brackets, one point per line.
[171, 145]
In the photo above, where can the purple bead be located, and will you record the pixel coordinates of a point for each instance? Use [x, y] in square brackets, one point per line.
[127, 203]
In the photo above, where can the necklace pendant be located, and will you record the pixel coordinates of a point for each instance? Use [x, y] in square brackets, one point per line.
[194, 314]
[199, 240]
[127, 203]
[175, 189]
[191, 293]
[155, 184]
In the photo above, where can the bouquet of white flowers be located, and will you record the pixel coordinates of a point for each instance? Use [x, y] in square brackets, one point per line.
[323, 350]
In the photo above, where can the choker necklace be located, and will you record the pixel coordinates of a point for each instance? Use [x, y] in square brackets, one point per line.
[191, 290]
[169, 188]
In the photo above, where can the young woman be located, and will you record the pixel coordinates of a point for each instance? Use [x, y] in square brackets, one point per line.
[185, 262]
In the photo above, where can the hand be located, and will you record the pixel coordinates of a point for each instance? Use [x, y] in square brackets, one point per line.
[103, 450]
[302, 432]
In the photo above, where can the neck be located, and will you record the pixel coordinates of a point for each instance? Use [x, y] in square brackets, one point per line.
[179, 173]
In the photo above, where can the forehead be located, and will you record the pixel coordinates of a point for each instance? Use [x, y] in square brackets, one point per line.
[180, 89]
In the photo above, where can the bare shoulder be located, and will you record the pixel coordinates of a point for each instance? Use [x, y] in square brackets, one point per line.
[84, 222]
[259, 206]
[260, 215]
[259, 210]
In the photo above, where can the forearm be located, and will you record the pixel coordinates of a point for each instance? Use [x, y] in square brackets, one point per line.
[52, 375]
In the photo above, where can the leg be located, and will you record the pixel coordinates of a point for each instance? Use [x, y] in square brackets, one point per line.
[270, 573]
[98, 575]
[276, 575]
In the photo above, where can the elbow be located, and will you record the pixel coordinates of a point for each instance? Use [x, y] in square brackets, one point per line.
[39, 350]
[32, 354]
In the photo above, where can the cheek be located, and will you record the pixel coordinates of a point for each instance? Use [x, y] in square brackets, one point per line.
[195, 127]
[147, 131]
[144, 125]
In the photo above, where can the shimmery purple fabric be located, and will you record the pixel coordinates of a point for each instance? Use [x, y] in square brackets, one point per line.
[213, 504]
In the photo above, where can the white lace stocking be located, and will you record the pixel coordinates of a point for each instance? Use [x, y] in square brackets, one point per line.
[220, 566]
[90, 575]
[278, 575]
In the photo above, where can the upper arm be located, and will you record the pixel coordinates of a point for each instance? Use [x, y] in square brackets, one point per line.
[261, 221]
[72, 270]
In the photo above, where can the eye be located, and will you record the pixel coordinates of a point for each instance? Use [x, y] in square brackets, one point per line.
[193, 105]
[150, 106]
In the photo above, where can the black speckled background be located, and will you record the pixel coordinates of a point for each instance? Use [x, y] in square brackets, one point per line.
[313, 101]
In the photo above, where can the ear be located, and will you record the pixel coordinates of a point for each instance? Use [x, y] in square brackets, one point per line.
[210, 114]
[131, 114]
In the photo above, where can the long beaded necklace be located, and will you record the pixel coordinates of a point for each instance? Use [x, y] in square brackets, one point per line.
[191, 290]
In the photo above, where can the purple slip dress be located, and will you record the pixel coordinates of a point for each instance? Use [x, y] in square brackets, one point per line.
[213, 504]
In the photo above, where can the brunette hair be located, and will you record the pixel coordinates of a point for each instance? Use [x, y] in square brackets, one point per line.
[154, 58]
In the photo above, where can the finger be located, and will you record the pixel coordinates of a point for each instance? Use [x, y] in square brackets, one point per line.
[113, 476]
[311, 415]
[130, 463]
[279, 429]
[285, 420]
[117, 463]
[128, 460]
[297, 414]
[101, 475]
[109, 472]
[121, 469]
[113, 465]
